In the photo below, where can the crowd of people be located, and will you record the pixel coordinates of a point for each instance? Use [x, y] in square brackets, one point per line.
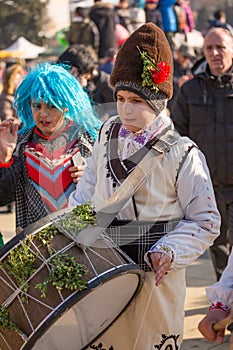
[171, 101]
[104, 25]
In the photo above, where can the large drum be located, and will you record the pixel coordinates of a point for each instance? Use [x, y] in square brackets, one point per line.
[61, 317]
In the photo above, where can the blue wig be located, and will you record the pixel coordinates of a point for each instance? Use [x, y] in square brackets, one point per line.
[54, 84]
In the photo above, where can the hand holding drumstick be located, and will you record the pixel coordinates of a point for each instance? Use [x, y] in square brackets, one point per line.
[213, 325]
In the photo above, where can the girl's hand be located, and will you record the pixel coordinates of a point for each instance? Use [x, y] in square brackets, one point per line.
[8, 139]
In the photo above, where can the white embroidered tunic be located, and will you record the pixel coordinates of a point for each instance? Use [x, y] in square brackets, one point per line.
[179, 188]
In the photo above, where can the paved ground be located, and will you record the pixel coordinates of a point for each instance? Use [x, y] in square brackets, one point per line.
[199, 275]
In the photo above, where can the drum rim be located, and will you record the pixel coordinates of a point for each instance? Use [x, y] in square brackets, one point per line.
[78, 295]
[12, 243]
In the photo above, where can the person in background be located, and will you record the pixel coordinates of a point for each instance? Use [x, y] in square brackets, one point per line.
[220, 296]
[203, 111]
[123, 15]
[130, 14]
[2, 68]
[190, 22]
[137, 14]
[169, 20]
[12, 77]
[183, 63]
[103, 14]
[121, 34]
[38, 167]
[180, 17]
[153, 14]
[172, 217]
[138, 3]
[184, 59]
[109, 61]
[219, 20]
[83, 30]
[86, 69]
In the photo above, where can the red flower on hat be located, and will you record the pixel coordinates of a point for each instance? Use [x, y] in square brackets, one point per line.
[152, 75]
[161, 73]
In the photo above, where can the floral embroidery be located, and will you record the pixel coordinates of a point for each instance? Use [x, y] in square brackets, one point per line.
[130, 142]
[123, 132]
[218, 305]
[140, 139]
[168, 343]
[100, 347]
[152, 75]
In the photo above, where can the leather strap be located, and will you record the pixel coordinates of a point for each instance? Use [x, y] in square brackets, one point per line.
[127, 189]
[140, 173]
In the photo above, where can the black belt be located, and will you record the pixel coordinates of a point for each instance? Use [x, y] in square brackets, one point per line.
[136, 237]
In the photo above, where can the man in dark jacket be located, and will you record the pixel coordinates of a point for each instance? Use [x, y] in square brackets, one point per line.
[103, 14]
[203, 110]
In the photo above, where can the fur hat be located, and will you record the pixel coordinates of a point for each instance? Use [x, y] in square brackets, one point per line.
[144, 65]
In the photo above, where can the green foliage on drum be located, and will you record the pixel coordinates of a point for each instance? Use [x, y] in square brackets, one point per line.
[44, 251]
[6, 321]
[78, 219]
[65, 272]
[20, 265]
[47, 234]
[85, 213]
[72, 222]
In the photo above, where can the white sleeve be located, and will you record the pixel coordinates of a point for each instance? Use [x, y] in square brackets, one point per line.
[222, 291]
[201, 222]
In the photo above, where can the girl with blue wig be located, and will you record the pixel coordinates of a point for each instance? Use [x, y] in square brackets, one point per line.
[37, 164]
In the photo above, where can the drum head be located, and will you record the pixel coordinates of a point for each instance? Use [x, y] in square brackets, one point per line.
[92, 314]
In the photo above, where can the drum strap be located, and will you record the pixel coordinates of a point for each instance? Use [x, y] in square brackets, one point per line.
[128, 187]
[119, 170]
[136, 178]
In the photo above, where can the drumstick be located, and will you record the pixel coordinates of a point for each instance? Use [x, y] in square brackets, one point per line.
[223, 323]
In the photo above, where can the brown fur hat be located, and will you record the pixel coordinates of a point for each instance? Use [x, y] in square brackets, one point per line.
[128, 67]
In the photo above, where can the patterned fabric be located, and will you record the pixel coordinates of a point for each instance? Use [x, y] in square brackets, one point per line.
[48, 163]
[220, 306]
[29, 204]
[157, 100]
[136, 237]
[130, 142]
